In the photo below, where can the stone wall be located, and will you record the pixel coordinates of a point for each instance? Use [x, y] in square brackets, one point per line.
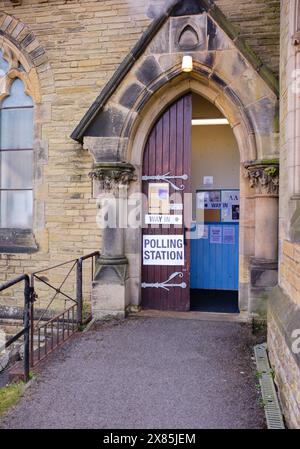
[286, 374]
[283, 345]
[283, 321]
[290, 270]
[284, 304]
[83, 42]
[258, 23]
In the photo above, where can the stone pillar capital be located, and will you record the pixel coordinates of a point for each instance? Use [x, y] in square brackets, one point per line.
[263, 176]
[113, 175]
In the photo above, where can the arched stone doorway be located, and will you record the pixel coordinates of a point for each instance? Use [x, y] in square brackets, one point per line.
[116, 128]
[184, 266]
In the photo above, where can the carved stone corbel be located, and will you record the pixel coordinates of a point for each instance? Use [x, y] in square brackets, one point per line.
[113, 175]
[263, 176]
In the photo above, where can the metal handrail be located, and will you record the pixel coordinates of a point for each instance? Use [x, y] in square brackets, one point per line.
[29, 298]
[57, 290]
[78, 302]
[26, 320]
[79, 296]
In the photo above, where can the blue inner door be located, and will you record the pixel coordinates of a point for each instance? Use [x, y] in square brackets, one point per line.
[215, 256]
[215, 240]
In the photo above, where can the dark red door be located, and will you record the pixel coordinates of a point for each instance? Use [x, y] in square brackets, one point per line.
[167, 179]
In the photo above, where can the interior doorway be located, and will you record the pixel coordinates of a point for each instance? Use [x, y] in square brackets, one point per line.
[215, 180]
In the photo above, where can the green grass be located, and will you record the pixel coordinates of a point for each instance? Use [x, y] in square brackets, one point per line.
[9, 396]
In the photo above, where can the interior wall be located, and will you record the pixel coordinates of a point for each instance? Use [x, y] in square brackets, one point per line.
[214, 150]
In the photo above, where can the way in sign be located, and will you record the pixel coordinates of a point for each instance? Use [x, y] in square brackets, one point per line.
[163, 219]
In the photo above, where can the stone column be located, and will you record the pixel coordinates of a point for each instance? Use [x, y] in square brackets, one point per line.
[264, 179]
[111, 180]
[292, 126]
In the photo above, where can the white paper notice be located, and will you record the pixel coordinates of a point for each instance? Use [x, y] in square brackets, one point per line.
[163, 250]
[216, 234]
[229, 235]
[230, 205]
[208, 180]
[202, 231]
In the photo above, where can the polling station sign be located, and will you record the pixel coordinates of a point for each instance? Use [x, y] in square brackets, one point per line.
[163, 250]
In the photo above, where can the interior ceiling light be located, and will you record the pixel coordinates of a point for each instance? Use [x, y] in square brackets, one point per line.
[210, 121]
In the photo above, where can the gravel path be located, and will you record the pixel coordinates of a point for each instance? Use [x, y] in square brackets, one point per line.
[147, 373]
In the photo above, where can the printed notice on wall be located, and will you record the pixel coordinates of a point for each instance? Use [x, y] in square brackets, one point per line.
[202, 231]
[228, 235]
[163, 250]
[208, 180]
[216, 234]
[231, 205]
[209, 200]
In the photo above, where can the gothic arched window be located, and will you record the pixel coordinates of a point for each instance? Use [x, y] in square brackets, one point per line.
[16, 156]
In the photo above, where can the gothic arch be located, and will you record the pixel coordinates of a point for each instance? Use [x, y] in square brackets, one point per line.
[18, 40]
[19, 66]
[27, 60]
[166, 95]
[23, 39]
[239, 89]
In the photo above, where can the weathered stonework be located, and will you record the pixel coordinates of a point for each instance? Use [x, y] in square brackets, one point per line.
[112, 176]
[283, 320]
[284, 301]
[264, 177]
[109, 286]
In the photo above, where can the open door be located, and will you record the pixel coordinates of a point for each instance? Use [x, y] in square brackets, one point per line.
[166, 180]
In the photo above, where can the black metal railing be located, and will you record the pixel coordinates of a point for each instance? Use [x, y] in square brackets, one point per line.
[43, 334]
[25, 332]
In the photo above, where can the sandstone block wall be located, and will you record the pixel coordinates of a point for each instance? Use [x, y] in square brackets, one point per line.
[284, 304]
[286, 370]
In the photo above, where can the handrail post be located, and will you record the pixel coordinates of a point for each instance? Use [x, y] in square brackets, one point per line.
[32, 323]
[79, 291]
[26, 327]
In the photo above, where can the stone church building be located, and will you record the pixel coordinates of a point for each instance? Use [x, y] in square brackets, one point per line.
[191, 107]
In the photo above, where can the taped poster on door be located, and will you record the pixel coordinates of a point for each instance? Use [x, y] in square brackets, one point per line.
[229, 235]
[158, 197]
[231, 205]
[163, 250]
[216, 234]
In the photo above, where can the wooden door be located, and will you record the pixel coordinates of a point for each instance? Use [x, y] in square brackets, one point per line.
[167, 162]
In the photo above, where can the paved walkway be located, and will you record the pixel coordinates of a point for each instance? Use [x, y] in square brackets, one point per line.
[147, 373]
